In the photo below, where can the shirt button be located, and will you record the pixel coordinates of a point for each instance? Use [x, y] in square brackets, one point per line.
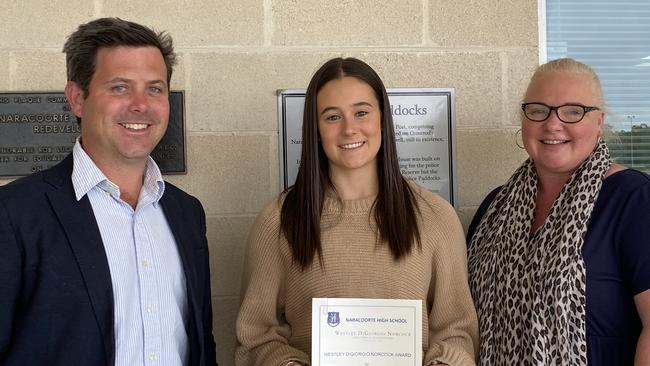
[149, 309]
[153, 357]
[145, 263]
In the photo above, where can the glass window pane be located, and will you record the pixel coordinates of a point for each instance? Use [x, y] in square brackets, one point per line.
[614, 38]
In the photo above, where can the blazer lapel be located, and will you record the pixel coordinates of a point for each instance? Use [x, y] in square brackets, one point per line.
[78, 222]
[175, 218]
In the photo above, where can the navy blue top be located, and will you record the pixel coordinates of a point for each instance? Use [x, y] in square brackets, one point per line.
[616, 253]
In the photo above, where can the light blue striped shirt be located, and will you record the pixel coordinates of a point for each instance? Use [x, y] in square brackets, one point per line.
[146, 271]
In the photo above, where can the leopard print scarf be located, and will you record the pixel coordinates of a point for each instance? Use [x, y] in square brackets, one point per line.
[529, 289]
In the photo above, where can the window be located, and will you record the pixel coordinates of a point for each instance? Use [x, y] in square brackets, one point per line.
[614, 38]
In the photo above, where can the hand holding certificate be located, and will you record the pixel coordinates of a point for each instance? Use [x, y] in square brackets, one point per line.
[366, 332]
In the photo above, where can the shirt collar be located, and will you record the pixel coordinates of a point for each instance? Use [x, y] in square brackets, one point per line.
[86, 175]
[153, 183]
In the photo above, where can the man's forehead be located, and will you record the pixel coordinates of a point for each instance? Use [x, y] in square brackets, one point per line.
[130, 58]
[129, 64]
[125, 49]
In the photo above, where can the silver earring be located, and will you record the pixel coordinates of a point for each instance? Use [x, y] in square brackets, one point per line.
[521, 146]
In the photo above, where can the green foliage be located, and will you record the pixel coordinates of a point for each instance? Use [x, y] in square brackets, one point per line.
[631, 148]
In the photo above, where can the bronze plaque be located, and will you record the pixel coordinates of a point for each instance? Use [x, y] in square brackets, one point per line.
[38, 130]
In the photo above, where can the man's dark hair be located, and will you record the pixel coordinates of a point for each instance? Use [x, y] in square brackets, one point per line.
[82, 46]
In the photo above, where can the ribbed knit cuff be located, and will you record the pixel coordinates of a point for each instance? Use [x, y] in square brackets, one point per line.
[451, 356]
[295, 362]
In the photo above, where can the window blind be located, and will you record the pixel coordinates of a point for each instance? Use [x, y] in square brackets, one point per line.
[614, 38]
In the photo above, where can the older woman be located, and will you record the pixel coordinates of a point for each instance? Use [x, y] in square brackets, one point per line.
[559, 256]
[352, 226]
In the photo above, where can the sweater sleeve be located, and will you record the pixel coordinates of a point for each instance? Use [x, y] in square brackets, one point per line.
[262, 332]
[453, 325]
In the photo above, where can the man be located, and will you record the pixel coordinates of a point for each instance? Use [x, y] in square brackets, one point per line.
[101, 261]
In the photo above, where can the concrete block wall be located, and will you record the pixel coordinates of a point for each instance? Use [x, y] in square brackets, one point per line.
[235, 55]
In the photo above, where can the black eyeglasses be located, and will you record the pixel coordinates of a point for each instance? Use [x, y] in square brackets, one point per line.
[567, 113]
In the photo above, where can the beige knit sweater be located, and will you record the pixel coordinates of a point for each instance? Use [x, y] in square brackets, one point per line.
[274, 322]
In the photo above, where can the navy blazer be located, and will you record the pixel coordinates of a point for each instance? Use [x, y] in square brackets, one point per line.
[56, 297]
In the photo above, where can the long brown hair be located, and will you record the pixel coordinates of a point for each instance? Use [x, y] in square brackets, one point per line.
[395, 206]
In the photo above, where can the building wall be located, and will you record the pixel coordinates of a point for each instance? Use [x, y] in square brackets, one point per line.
[234, 55]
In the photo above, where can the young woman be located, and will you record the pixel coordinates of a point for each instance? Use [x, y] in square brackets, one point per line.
[352, 226]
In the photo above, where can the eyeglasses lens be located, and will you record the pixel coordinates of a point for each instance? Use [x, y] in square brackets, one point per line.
[570, 113]
[566, 113]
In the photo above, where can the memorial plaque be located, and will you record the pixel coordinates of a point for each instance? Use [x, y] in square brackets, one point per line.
[424, 120]
[38, 130]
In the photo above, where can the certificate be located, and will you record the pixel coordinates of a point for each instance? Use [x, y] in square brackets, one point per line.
[366, 332]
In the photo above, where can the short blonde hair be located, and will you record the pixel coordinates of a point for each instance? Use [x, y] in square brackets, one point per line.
[569, 65]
